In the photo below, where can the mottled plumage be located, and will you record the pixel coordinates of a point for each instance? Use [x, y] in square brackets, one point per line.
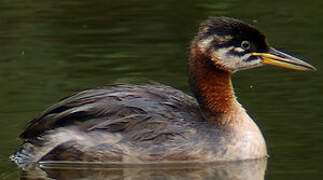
[116, 107]
[121, 122]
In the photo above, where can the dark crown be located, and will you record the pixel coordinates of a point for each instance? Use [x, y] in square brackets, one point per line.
[238, 30]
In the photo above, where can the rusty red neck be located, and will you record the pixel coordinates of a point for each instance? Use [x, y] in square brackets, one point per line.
[211, 86]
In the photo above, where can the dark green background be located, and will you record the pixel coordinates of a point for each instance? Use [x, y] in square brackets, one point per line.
[49, 49]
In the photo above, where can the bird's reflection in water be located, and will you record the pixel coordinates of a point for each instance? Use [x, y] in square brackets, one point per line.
[244, 170]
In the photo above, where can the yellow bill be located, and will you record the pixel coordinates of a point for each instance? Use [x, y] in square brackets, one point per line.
[280, 59]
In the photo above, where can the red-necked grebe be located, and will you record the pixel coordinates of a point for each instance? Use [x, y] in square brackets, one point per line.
[157, 123]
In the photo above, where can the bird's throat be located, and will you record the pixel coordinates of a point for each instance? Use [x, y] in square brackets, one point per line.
[211, 86]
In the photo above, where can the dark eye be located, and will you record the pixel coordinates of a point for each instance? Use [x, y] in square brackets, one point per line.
[245, 45]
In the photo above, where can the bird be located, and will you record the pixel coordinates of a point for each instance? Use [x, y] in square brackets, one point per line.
[156, 123]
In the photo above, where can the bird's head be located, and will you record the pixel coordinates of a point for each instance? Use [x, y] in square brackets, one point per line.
[232, 45]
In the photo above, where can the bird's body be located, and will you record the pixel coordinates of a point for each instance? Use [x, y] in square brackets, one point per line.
[157, 123]
[138, 124]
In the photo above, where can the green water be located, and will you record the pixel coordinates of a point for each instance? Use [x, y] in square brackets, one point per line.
[50, 49]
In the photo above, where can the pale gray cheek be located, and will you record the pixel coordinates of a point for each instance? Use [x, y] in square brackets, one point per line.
[239, 63]
[239, 49]
[257, 61]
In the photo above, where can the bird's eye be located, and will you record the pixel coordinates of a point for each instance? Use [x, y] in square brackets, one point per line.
[245, 45]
